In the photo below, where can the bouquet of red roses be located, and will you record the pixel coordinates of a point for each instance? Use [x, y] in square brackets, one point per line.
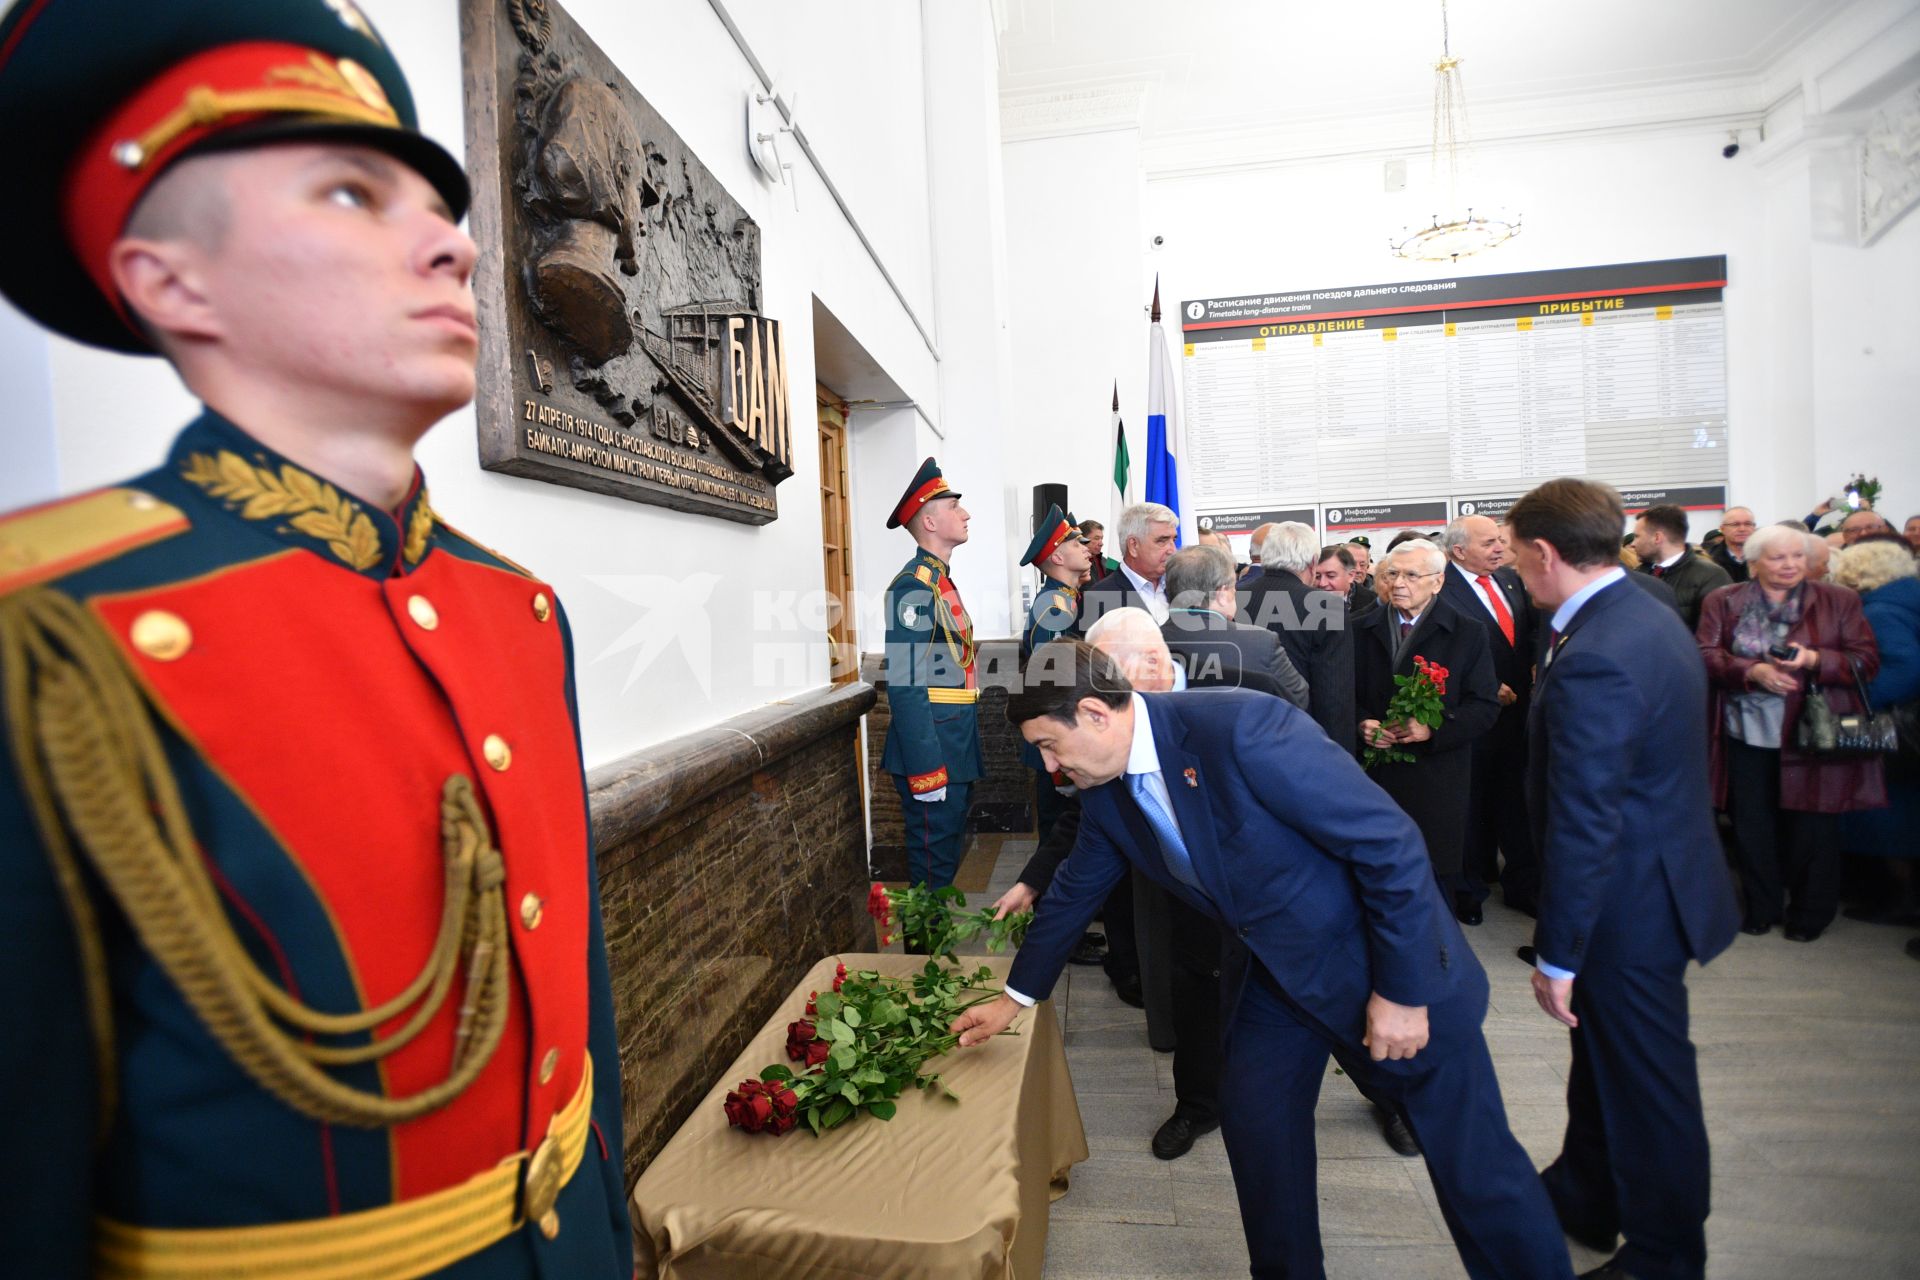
[1416, 699]
[861, 1045]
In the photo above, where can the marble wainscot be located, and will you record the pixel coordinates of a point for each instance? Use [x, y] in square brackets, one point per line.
[731, 859]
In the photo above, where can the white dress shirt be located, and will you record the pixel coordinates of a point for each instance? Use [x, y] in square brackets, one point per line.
[1473, 585]
[1143, 758]
[1154, 593]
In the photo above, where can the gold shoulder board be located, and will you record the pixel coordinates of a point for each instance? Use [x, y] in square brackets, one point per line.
[69, 534]
[925, 575]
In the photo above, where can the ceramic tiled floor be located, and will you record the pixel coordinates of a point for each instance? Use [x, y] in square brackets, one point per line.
[1809, 1060]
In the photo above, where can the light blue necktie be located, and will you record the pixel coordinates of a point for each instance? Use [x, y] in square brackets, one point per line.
[1172, 847]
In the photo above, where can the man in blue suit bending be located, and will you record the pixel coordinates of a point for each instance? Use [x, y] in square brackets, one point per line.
[1219, 796]
[1633, 884]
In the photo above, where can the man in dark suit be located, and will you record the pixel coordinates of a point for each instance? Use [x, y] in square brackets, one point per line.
[1497, 808]
[1220, 797]
[1254, 541]
[1736, 526]
[1311, 625]
[1434, 787]
[1149, 535]
[1201, 631]
[1338, 572]
[1660, 540]
[1635, 884]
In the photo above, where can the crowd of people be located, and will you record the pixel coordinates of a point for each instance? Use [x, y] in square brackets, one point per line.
[1845, 599]
[1738, 636]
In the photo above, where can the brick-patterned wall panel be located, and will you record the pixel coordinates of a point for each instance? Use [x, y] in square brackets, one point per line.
[725, 871]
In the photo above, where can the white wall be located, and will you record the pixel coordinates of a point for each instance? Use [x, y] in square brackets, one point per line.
[1823, 342]
[700, 594]
[1075, 264]
[1866, 365]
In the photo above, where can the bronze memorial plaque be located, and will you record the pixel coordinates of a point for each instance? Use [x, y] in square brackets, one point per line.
[621, 345]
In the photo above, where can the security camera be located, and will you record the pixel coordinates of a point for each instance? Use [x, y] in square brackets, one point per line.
[1732, 148]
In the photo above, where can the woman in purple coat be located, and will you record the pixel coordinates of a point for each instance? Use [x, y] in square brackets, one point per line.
[1765, 642]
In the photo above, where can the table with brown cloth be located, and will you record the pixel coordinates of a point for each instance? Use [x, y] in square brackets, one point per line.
[943, 1189]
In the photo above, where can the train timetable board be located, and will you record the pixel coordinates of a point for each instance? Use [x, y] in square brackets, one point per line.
[1458, 395]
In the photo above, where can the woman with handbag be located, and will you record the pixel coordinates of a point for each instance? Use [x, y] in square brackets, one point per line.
[1881, 568]
[1784, 657]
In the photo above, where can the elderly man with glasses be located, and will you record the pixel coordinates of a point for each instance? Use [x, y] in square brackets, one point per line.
[1433, 788]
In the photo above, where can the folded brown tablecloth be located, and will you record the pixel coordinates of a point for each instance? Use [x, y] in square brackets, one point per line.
[941, 1191]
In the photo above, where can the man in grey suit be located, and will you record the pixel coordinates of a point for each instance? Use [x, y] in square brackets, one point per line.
[1201, 631]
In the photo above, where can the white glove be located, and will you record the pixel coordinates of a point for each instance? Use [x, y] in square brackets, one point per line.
[929, 797]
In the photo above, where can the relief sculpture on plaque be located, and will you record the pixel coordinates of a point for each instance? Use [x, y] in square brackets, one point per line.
[623, 345]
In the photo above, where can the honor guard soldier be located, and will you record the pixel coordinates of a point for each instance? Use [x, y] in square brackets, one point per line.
[300, 951]
[1061, 553]
[933, 740]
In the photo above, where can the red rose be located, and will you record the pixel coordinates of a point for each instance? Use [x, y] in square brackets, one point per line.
[799, 1035]
[811, 997]
[879, 905]
[785, 1109]
[749, 1107]
[839, 976]
[817, 1052]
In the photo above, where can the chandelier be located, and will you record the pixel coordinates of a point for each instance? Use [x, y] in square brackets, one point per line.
[1462, 228]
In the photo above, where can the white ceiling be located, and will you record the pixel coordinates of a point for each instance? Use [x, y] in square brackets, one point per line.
[1191, 67]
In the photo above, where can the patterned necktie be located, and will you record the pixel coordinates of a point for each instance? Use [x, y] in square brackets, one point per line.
[1406, 629]
[1553, 645]
[1500, 610]
[1172, 847]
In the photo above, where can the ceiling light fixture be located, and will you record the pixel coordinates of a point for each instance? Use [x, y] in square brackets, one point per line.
[1462, 228]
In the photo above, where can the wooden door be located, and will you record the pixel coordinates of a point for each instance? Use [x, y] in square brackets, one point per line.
[836, 536]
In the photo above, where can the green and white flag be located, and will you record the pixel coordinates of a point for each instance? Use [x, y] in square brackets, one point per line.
[1124, 493]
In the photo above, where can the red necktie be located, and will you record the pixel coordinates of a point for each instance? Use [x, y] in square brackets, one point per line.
[1499, 606]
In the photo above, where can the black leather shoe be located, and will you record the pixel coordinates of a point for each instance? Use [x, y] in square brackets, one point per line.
[1611, 1271]
[1128, 989]
[1913, 948]
[1088, 950]
[1797, 934]
[1393, 1127]
[1175, 1138]
[1466, 910]
[1756, 929]
[1527, 956]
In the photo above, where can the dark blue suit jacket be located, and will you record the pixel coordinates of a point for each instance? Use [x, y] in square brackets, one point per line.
[1618, 794]
[1309, 863]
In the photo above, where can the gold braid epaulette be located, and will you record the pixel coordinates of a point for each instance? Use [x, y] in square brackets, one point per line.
[91, 762]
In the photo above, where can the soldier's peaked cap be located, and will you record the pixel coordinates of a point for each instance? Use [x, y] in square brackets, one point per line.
[99, 97]
[927, 485]
[1052, 530]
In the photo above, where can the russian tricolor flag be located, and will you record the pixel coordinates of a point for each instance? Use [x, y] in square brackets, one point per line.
[1163, 430]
